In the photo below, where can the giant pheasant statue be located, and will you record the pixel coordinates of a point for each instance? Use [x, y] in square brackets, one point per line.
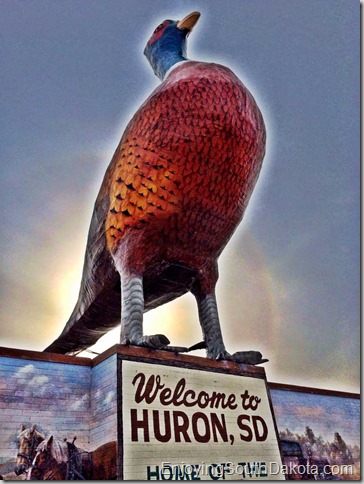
[174, 192]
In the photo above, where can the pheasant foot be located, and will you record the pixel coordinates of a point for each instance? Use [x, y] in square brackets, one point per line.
[175, 349]
[155, 341]
[245, 357]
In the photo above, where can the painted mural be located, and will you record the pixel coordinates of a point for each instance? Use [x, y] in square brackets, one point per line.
[46, 404]
[327, 428]
[70, 404]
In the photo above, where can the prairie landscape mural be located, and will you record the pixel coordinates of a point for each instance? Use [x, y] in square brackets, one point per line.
[327, 426]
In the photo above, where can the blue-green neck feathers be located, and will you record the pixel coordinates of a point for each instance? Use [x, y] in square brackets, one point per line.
[166, 47]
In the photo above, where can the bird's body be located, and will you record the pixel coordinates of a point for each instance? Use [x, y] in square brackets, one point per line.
[175, 190]
[182, 169]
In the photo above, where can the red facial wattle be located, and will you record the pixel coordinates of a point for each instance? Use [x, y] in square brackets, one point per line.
[159, 31]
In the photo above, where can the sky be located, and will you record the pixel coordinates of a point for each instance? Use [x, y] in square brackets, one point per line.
[72, 75]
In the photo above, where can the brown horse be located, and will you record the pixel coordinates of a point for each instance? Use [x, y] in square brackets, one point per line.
[55, 461]
[28, 441]
[104, 466]
[59, 461]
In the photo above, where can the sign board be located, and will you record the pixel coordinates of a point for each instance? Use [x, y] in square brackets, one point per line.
[190, 424]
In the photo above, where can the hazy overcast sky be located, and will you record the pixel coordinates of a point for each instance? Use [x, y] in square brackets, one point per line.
[72, 75]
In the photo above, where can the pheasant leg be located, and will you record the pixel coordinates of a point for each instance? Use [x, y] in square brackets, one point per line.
[210, 324]
[132, 304]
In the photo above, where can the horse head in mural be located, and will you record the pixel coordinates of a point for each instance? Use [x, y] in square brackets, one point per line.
[28, 441]
[56, 460]
[50, 459]
[61, 460]
[48, 464]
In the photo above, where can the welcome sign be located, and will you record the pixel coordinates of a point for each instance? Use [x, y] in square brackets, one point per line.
[191, 424]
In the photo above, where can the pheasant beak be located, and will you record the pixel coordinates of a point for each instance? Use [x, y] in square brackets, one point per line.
[189, 22]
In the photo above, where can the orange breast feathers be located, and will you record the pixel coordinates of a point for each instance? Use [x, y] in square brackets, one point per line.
[143, 187]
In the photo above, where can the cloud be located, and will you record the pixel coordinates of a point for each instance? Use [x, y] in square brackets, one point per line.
[39, 380]
[109, 398]
[26, 369]
[32, 375]
[31, 378]
[81, 403]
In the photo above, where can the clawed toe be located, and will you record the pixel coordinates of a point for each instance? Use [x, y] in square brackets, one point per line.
[184, 349]
[155, 341]
[198, 346]
[176, 349]
[248, 357]
[245, 357]
[223, 355]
